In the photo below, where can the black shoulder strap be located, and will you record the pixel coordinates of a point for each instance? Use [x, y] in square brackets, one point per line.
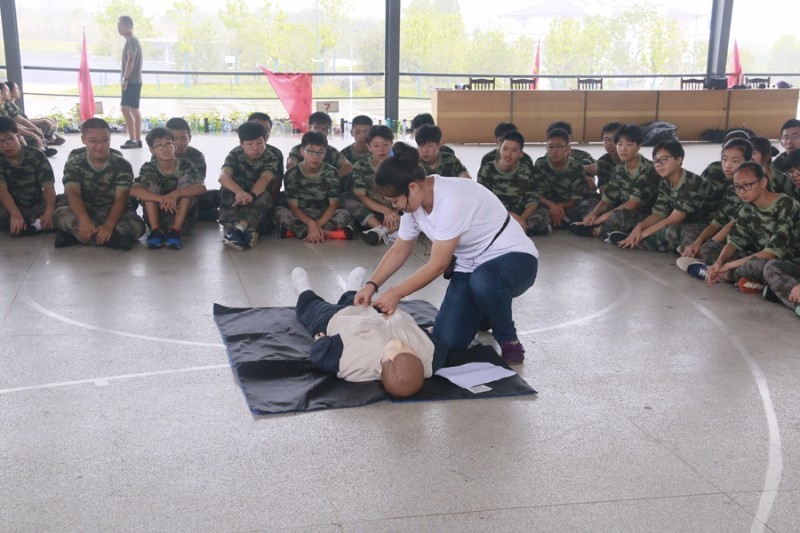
[508, 217]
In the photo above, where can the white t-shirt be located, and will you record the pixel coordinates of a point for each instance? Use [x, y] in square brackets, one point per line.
[465, 208]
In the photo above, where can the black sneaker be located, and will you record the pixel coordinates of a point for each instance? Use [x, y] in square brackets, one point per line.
[64, 239]
[120, 242]
[581, 231]
[138, 144]
[50, 152]
[769, 295]
[130, 144]
[615, 237]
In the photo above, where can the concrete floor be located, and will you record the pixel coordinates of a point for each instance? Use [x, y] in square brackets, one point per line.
[663, 405]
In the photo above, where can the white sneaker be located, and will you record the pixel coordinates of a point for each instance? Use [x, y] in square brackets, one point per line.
[300, 282]
[389, 240]
[356, 279]
[684, 262]
[374, 236]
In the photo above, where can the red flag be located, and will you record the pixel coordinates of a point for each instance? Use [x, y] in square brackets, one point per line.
[85, 90]
[735, 78]
[294, 91]
[536, 65]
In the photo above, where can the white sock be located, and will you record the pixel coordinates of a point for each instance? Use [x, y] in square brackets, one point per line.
[356, 279]
[300, 282]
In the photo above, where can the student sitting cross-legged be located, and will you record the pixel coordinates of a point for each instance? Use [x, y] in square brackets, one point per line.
[167, 188]
[499, 134]
[432, 158]
[312, 192]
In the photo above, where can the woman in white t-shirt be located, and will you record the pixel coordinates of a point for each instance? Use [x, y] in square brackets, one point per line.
[494, 260]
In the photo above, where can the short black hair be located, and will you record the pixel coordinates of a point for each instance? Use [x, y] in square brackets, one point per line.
[421, 120]
[793, 159]
[250, 131]
[752, 166]
[313, 138]
[558, 133]
[94, 123]
[361, 120]
[320, 117]
[611, 126]
[158, 133]
[672, 146]
[742, 144]
[258, 115]
[632, 132]
[10, 84]
[513, 136]
[562, 124]
[503, 128]
[178, 123]
[791, 123]
[384, 132]
[125, 19]
[8, 124]
[763, 146]
[428, 134]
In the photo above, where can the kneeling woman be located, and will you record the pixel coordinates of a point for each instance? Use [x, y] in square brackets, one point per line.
[494, 260]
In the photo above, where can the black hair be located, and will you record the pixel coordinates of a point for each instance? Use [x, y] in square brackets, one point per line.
[558, 133]
[250, 131]
[791, 123]
[362, 120]
[611, 126]
[503, 128]
[514, 136]
[735, 134]
[313, 138]
[178, 123]
[258, 115]
[753, 167]
[763, 146]
[672, 146]
[421, 120]
[428, 134]
[321, 118]
[793, 160]
[397, 171]
[740, 144]
[561, 124]
[384, 132]
[125, 19]
[8, 124]
[94, 123]
[158, 133]
[632, 132]
[10, 84]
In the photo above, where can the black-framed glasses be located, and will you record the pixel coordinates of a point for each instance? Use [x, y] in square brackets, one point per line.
[662, 160]
[8, 141]
[792, 137]
[744, 187]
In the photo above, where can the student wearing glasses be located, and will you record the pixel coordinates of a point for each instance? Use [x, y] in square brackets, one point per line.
[790, 140]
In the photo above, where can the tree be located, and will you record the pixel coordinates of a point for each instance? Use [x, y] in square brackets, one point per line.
[785, 54]
[432, 40]
[194, 49]
[110, 43]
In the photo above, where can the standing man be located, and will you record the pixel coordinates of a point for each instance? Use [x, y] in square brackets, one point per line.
[131, 82]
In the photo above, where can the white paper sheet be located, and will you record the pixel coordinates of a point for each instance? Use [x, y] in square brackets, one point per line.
[473, 374]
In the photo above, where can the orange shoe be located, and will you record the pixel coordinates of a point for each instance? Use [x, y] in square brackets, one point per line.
[285, 233]
[748, 286]
[341, 234]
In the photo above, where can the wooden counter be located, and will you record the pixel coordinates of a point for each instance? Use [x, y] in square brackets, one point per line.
[470, 116]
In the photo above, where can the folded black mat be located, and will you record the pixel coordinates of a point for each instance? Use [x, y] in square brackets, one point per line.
[268, 351]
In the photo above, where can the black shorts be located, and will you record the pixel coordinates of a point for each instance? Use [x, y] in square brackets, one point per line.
[131, 95]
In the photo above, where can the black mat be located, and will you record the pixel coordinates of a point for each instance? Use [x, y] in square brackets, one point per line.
[268, 351]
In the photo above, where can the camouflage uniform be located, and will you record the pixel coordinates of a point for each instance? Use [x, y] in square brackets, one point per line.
[605, 169]
[581, 156]
[312, 195]
[332, 156]
[152, 179]
[494, 155]
[781, 182]
[782, 276]
[563, 185]
[780, 162]
[690, 196]
[363, 181]
[246, 173]
[448, 166]
[350, 154]
[98, 190]
[728, 209]
[516, 191]
[641, 185]
[25, 183]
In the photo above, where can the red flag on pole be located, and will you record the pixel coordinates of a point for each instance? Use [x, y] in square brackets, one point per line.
[536, 65]
[85, 90]
[735, 78]
[294, 91]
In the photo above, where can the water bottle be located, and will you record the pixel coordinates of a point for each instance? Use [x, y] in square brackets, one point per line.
[146, 125]
[226, 126]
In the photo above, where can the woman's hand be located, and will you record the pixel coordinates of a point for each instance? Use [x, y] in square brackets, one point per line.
[387, 303]
[364, 295]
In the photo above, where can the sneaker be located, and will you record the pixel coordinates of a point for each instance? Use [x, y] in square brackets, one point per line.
[285, 233]
[747, 286]
[120, 242]
[769, 295]
[156, 239]
[698, 270]
[64, 239]
[174, 239]
[138, 144]
[389, 240]
[342, 234]
[50, 152]
[355, 280]
[234, 239]
[581, 231]
[299, 279]
[129, 144]
[512, 353]
[58, 140]
[615, 237]
[375, 236]
[540, 233]
[684, 262]
[250, 238]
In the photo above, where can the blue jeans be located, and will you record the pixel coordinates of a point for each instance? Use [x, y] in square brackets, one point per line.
[485, 293]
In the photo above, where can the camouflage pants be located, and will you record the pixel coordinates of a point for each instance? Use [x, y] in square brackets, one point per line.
[284, 217]
[538, 221]
[252, 213]
[690, 233]
[782, 276]
[623, 220]
[360, 212]
[581, 209]
[129, 225]
[29, 213]
[711, 249]
[667, 239]
[165, 218]
[752, 270]
[208, 200]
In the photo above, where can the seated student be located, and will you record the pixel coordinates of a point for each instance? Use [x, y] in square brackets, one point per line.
[372, 210]
[792, 180]
[629, 195]
[357, 343]
[27, 185]
[714, 173]
[708, 243]
[764, 230]
[426, 119]
[763, 152]
[432, 159]
[607, 162]
[783, 281]
[493, 155]
[561, 183]
[32, 134]
[790, 140]
[266, 121]
[97, 182]
[513, 183]
[684, 198]
[167, 188]
[359, 129]
[312, 192]
[246, 177]
[46, 125]
[320, 122]
[583, 157]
